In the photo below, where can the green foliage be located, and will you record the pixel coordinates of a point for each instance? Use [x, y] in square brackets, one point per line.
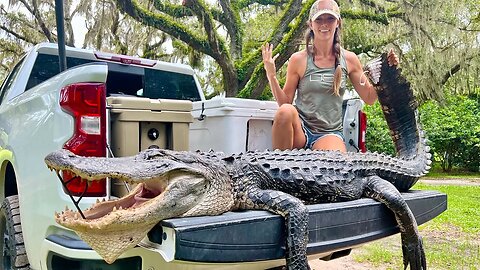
[454, 132]
[378, 137]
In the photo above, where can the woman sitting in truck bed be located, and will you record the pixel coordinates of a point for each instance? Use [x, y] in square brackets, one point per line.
[317, 75]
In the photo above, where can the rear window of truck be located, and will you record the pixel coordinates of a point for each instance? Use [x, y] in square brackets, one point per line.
[124, 80]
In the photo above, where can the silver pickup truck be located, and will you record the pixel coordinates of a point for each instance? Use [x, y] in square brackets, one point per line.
[114, 105]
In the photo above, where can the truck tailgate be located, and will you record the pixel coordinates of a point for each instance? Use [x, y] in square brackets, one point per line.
[248, 236]
[260, 235]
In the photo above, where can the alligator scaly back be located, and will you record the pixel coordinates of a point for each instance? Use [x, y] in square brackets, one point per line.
[399, 107]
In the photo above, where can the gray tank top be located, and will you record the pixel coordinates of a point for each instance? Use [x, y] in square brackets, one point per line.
[319, 108]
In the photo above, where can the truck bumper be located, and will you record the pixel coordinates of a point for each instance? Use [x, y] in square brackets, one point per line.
[253, 239]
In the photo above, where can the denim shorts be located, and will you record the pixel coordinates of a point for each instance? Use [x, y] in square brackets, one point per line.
[312, 138]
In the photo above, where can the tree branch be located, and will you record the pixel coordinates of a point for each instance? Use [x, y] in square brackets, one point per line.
[176, 11]
[233, 24]
[219, 51]
[41, 23]
[246, 3]
[369, 16]
[250, 65]
[217, 45]
[179, 11]
[16, 35]
[457, 67]
[163, 23]
[286, 47]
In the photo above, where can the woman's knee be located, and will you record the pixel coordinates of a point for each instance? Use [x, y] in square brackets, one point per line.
[286, 113]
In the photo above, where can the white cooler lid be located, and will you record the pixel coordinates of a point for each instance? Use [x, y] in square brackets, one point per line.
[235, 103]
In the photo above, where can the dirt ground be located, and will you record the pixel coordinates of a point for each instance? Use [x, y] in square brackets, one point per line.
[344, 263]
[459, 182]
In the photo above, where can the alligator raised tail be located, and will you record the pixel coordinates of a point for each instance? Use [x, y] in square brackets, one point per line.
[179, 184]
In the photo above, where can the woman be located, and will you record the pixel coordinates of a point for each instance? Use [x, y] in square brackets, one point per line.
[317, 75]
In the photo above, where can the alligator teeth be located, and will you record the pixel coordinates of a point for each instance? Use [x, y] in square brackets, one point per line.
[66, 208]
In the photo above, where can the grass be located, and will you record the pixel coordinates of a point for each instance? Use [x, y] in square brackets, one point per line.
[463, 211]
[451, 240]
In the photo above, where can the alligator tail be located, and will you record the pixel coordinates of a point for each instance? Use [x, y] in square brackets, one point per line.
[401, 114]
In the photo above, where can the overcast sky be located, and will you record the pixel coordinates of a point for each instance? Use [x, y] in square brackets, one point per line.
[78, 25]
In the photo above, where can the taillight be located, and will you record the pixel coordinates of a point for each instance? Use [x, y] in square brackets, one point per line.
[362, 118]
[86, 103]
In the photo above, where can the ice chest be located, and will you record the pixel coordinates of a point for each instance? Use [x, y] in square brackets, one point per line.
[232, 125]
[139, 123]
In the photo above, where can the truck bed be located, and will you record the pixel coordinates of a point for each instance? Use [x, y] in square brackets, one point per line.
[248, 236]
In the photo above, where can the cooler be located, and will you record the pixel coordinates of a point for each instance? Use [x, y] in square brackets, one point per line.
[232, 125]
[139, 123]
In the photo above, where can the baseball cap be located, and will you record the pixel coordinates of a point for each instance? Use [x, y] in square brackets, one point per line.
[328, 7]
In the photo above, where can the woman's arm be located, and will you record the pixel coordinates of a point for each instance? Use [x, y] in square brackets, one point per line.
[286, 94]
[359, 80]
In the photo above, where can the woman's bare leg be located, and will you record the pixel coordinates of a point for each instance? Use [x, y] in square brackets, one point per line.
[330, 142]
[287, 132]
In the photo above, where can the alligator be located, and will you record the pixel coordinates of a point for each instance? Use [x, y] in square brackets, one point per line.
[181, 183]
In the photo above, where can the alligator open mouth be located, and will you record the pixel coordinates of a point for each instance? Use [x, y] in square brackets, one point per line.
[167, 184]
[114, 226]
[141, 194]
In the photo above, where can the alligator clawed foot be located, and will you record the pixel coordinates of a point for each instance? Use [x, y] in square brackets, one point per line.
[414, 254]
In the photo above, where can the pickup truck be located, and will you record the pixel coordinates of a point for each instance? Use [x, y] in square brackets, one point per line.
[113, 105]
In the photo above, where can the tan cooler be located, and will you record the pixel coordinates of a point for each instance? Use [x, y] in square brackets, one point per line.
[139, 123]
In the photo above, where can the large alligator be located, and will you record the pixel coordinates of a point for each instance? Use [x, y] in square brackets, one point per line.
[179, 184]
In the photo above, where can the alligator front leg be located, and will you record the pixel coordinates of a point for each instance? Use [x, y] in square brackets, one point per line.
[296, 220]
[412, 247]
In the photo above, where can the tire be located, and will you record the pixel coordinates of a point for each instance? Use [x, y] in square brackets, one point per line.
[14, 255]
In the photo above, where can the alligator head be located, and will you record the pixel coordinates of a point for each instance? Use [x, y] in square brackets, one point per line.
[168, 184]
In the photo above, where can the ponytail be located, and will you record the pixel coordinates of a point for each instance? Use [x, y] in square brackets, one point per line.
[308, 39]
[337, 77]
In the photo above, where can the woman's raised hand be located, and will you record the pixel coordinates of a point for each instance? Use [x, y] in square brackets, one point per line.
[268, 60]
[392, 58]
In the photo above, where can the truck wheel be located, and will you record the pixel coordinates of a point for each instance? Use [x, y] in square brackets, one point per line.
[14, 255]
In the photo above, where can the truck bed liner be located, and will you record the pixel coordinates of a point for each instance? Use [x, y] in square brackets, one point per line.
[259, 235]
